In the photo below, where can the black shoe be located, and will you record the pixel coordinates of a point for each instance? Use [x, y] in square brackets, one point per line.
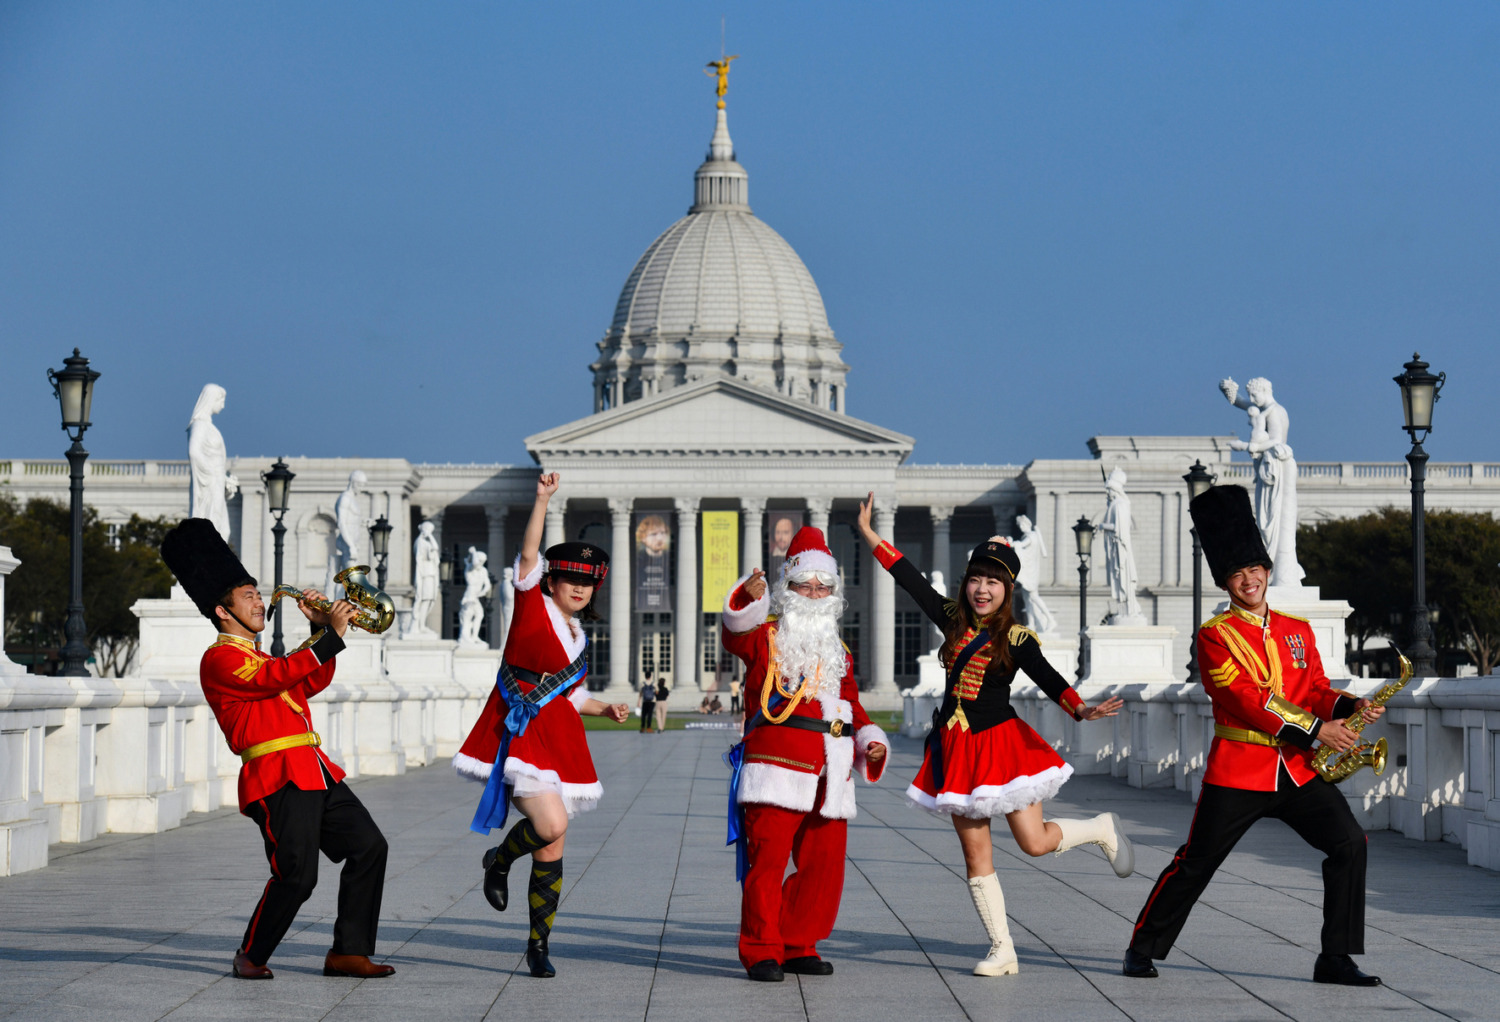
[768, 971]
[1138, 965]
[1341, 969]
[808, 965]
[496, 880]
[536, 959]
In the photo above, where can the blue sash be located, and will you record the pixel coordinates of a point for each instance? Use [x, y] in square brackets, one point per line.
[934, 737]
[735, 760]
[520, 710]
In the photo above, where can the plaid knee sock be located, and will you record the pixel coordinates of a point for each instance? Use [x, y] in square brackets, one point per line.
[522, 840]
[543, 895]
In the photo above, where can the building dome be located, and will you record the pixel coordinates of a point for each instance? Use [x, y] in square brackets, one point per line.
[719, 292]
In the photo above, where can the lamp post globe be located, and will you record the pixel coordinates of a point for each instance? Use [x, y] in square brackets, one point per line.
[1419, 394]
[73, 386]
[1199, 481]
[278, 483]
[1083, 539]
[380, 544]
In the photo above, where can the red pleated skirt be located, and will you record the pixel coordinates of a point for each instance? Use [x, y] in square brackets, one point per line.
[989, 773]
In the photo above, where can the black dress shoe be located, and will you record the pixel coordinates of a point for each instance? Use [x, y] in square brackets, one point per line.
[768, 971]
[1138, 965]
[1341, 969]
[496, 880]
[537, 960]
[808, 965]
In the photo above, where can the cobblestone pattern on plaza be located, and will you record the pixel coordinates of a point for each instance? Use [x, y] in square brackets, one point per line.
[142, 927]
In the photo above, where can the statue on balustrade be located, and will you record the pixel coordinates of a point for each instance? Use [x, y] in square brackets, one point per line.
[349, 515]
[477, 588]
[1275, 475]
[210, 485]
[1119, 560]
[1031, 548]
[425, 582]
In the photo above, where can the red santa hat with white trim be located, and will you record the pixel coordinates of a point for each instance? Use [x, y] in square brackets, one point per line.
[808, 553]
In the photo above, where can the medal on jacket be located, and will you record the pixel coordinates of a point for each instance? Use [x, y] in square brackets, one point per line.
[1299, 650]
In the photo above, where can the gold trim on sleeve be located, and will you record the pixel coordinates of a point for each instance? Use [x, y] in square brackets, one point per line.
[1291, 713]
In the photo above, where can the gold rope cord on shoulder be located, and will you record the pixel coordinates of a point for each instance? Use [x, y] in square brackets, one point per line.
[774, 679]
[1264, 673]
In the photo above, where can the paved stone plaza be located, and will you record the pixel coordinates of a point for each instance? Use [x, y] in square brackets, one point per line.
[143, 927]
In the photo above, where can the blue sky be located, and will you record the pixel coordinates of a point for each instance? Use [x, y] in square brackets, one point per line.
[399, 230]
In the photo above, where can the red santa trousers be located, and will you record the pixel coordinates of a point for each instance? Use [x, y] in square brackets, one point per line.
[784, 920]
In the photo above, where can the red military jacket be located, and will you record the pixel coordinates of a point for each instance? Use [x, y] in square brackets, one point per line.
[1266, 681]
[257, 697]
[783, 764]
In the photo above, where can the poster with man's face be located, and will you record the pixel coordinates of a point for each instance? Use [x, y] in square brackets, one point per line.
[653, 566]
[783, 526]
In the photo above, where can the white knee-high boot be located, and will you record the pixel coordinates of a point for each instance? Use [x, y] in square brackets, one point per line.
[989, 901]
[1103, 830]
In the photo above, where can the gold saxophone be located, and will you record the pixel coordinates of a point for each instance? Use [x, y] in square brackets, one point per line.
[1334, 767]
[377, 612]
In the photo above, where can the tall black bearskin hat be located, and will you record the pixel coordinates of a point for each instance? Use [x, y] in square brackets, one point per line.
[582, 560]
[997, 552]
[203, 564]
[1226, 528]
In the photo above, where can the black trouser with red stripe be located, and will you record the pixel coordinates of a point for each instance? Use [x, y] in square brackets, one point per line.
[296, 825]
[1318, 813]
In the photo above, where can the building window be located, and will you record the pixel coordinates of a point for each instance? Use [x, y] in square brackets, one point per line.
[849, 631]
[848, 551]
[598, 654]
[833, 397]
[114, 535]
[910, 627]
[712, 649]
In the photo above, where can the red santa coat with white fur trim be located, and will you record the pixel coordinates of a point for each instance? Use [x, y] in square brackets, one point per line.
[783, 764]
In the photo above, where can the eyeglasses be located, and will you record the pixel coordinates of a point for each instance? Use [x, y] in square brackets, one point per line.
[811, 588]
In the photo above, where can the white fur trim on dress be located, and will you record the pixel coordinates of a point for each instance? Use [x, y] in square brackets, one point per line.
[990, 800]
[838, 758]
[526, 780]
[749, 617]
[472, 769]
[529, 581]
[865, 737]
[579, 696]
[769, 784]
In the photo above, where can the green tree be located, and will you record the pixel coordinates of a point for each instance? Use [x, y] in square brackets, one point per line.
[117, 571]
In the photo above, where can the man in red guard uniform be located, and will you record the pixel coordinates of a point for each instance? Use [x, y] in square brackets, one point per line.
[293, 792]
[1271, 703]
[805, 734]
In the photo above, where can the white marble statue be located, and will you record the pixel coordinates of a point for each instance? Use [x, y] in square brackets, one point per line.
[426, 583]
[211, 485]
[349, 516]
[1119, 560]
[1031, 548]
[477, 587]
[1275, 475]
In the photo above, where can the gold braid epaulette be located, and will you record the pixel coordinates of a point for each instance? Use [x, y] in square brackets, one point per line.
[1244, 654]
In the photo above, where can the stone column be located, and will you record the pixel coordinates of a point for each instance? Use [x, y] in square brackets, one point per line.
[621, 561]
[685, 648]
[554, 533]
[817, 513]
[942, 548]
[753, 521]
[440, 605]
[494, 516]
[883, 608]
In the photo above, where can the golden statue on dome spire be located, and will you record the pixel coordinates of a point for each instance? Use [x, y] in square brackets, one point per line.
[721, 72]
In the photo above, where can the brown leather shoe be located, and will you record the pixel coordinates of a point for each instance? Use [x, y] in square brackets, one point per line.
[244, 968]
[358, 966]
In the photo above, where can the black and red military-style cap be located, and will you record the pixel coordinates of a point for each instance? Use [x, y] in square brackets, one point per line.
[580, 559]
[1226, 528]
[996, 551]
[204, 564]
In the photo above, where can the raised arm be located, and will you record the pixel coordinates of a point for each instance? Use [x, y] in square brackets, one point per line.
[903, 571]
[531, 542]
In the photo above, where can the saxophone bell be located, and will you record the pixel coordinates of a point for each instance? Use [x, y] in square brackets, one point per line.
[376, 610]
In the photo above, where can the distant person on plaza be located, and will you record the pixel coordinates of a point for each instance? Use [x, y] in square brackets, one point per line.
[981, 760]
[715, 706]
[646, 701]
[1271, 703]
[703, 707]
[734, 695]
[661, 705]
[295, 794]
[792, 793]
[528, 745]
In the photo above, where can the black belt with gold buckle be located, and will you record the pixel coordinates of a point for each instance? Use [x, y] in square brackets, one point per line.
[836, 728]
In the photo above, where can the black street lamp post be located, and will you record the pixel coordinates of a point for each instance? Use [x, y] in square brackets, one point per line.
[74, 388]
[445, 577]
[1083, 534]
[278, 492]
[1198, 480]
[380, 543]
[1419, 392]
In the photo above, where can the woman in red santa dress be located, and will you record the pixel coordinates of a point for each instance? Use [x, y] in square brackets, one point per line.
[983, 761]
[528, 745]
[805, 736]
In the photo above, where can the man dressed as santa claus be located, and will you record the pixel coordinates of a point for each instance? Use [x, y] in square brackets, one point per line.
[805, 734]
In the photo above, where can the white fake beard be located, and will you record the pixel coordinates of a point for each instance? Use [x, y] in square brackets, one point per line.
[807, 637]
